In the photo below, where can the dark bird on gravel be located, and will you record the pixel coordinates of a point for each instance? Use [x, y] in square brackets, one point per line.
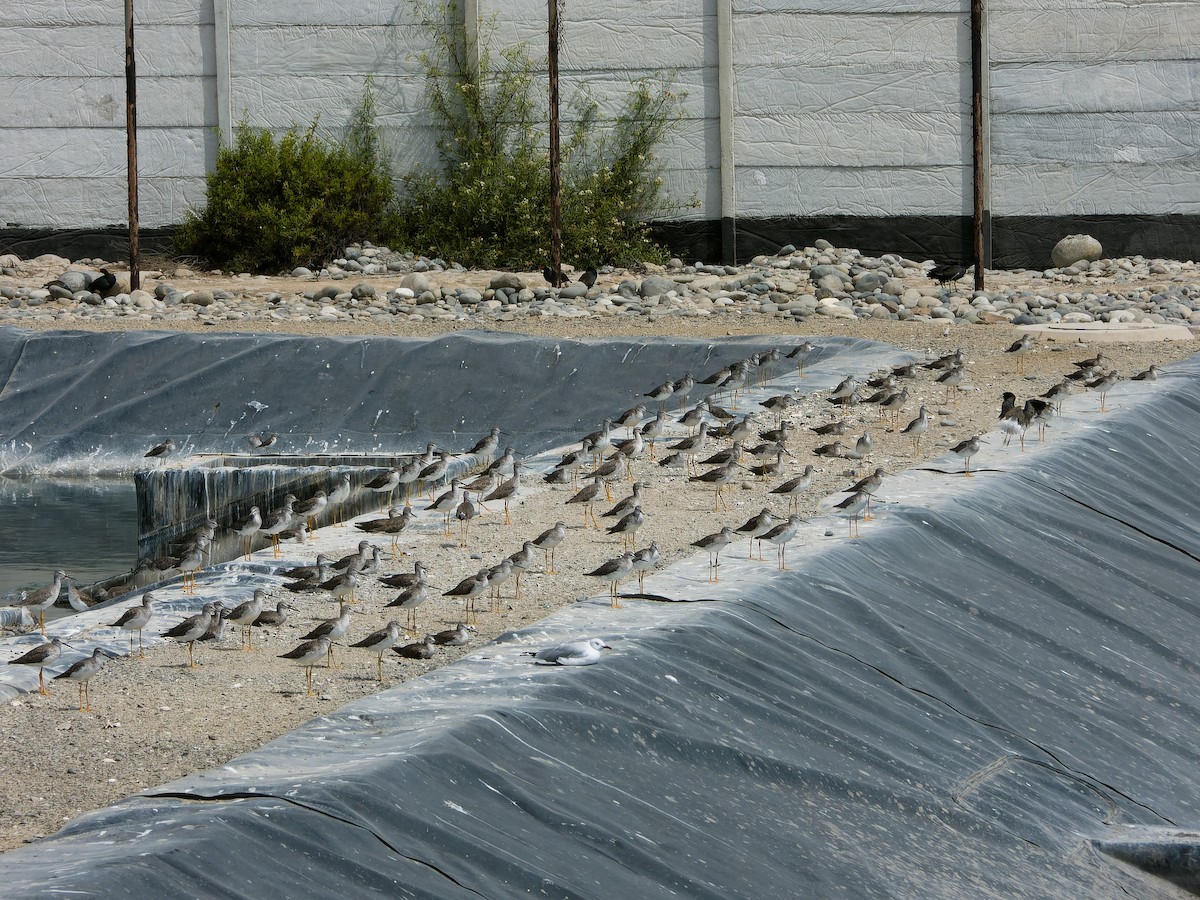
[103, 283]
[947, 273]
[588, 278]
[555, 279]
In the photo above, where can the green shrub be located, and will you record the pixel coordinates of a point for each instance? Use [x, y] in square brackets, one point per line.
[297, 200]
[489, 206]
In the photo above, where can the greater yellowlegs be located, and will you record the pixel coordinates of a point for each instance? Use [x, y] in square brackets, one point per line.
[83, 672]
[614, 571]
[332, 629]
[755, 527]
[135, 619]
[192, 629]
[469, 589]
[1018, 350]
[964, 450]
[447, 504]
[836, 450]
[627, 504]
[247, 527]
[588, 495]
[780, 534]
[262, 441]
[162, 450]
[793, 488]
[244, 615]
[1102, 386]
[422, 649]
[385, 484]
[916, 429]
[576, 653]
[42, 655]
[337, 499]
[645, 560]
[41, 599]
[458, 636]
[800, 353]
[714, 544]
[497, 576]
[548, 540]
[628, 526]
[274, 618]
[464, 513]
[851, 508]
[870, 486]
[950, 380]
[406, 579]
[1150, 374]
[522, 561]
[380, 642]
[308, 654]
[718, 478]
[409, 599]
[509, 491]
[312, 507]
[278, 521]
[485, 448]
[392, 525]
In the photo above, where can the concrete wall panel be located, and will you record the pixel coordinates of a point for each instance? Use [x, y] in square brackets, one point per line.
[826, 191]
[78, 101]
[1151, 85]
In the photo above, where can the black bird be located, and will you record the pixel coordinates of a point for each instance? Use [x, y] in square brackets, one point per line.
[588, 278]
[948, 273]
[104, 283]
[555, 279]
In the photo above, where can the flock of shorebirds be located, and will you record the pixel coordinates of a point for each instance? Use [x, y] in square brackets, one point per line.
[713, 444]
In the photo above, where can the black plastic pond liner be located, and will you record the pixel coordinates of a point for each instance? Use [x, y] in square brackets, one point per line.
[992, 690]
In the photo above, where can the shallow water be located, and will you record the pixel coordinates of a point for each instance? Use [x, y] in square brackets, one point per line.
[87, 527]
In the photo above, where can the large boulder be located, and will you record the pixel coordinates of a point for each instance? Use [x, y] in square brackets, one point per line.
[1075, 247]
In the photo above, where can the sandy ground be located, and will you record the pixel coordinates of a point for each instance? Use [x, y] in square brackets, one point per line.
[155, 720]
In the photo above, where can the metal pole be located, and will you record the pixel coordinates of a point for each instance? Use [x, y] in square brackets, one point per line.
[135, 279]
[555, 169]
[978, 160]
[726, 102]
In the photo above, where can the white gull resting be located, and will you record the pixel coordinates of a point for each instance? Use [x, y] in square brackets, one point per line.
[576, 653]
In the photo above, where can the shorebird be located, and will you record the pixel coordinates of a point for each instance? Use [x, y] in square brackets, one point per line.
[894, 405]
[469, 589]
[714, 544]
[507, 492]
[161, 451]
[247, 527]
[406, 579]
[485, 448]
[337, 499]
[949, 361]
[845, 388]
[308, 654]
[628, 526]
[947, 273]
[332, 629]
[626, 504]
[662, 393]
[80, 600]
[522, 561]
[613, 571]
[447, 504]
[653, 430]
[244, 616]
[756, 527]
[42, 655]
[769, 467]
[385, 483]
[458, 636]
[43, 598]
[838, 426]
[1014, 419]
[1057, 394]
[1103, 385]
[692, 447]
[851, 507]
[192, 629]
[1150, 374]
[780, 534]
[951, 379]
[719, 478]
[1040, 411]
[629, 450]
[917, 428]
[278, 521]
[794, 487]
[575, 653]
[588, 496]
[548, 540]
[312, 507]
[497, 576]
[682, 387]
[343, 585]
[433, 474]
[631, 418]
[422, 649]
[135, 619]
[274, 618]
[409, 599]
[84, 671]
[836, 450]
[1019, 349]
[800, 353]
[262, 441]
[380, 642]
[644, 560]
[464, 513]
[964, 450]
[869, 486]
[392, 525]
[864, 445]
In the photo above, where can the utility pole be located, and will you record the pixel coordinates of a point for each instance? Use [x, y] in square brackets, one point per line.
[555, 163]
[979, 211]
[135, 279]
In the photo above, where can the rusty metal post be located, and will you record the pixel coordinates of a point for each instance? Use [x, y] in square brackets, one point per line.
[135, 279]
[555, 162]
[979, 211]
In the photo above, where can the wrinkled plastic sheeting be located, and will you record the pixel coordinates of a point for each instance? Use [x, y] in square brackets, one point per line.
[95, 402]
[963, 703]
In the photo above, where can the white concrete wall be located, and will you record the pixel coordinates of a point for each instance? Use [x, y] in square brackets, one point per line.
[856, 107]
